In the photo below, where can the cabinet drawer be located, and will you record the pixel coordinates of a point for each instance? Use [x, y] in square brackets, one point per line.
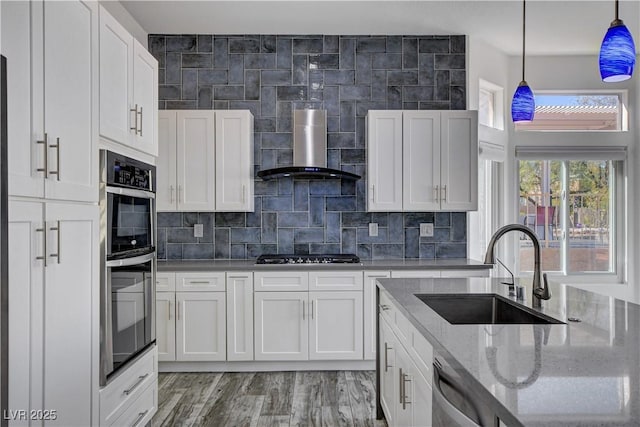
[200, 282]
[165, 282]
[335, 281]
[387, 309]
[422, 353]
[403, 329]
[281, 281]
[414, 274]
[140, 412]
[127, 387]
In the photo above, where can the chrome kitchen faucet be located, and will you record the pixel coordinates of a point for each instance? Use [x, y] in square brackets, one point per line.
[539, 292]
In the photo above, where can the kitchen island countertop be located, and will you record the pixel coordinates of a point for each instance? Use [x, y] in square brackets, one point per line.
[573, 374]
[391, 264]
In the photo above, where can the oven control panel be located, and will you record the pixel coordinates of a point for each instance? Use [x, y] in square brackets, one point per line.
[123, 171]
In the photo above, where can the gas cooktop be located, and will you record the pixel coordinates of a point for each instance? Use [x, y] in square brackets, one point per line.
[308, 259]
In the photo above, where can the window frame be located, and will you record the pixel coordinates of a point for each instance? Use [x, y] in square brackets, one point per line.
[617, 209]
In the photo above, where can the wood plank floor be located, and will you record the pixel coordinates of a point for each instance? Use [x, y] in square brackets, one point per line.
[262, 399]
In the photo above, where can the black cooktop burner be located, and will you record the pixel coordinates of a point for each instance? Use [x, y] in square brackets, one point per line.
[308, 259]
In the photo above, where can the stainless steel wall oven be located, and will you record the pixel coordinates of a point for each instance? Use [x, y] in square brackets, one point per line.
[128, 256]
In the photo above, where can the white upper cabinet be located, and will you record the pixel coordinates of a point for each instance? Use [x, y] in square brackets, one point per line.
[195, 156]
[459, 159]
[234, 161]
[438, 160]
[384, 133]
[128, 88]
[52, 101]
[205, 160]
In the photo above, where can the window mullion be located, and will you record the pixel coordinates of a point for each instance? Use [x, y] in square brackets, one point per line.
[564, 211]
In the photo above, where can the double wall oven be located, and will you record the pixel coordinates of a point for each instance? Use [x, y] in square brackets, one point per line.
[128, 256]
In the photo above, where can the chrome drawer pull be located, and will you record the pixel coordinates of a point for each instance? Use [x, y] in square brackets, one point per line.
[386, 349]
[45, 143]
[405, 402]
[401, 386]
[141, 378]
[141, 416]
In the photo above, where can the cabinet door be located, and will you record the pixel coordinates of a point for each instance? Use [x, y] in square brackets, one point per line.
[369, 295]
[384, 163]
[281, 325]
[70, 99]
[196, 161]
[421, 165]
[166, 175]
[200, 326]
[234, 161]
[239, 316]
[116, 52]
[25, 153]
[25, 305]
[166, 326]
[459, 158]
[389, 390]
[419, 392]
[335, 328]
[145, 97]
[70, 349]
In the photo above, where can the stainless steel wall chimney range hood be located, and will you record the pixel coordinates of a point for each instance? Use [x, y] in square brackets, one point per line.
[309, 150]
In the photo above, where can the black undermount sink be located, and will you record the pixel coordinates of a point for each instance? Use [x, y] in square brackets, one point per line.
[472, 309]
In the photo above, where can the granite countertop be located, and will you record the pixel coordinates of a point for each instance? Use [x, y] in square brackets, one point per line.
[392, 264]
[573, 374]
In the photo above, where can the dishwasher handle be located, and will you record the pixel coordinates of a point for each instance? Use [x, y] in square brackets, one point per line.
[439, 399]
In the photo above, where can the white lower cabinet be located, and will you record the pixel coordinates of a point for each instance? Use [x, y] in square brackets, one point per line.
[53, 260]
[335, 327]
[131, 398]
[239, 316]
[405, 373]
[369, 295]
[166, 326]
[200, 326]
[281, 325]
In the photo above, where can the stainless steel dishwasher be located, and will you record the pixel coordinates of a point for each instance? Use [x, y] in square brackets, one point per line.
[454, 405]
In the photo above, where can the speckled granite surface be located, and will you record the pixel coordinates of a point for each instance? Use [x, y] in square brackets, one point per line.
[407, 264]
[574, 374]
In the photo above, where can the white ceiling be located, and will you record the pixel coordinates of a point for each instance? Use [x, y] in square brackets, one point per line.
[554, 27]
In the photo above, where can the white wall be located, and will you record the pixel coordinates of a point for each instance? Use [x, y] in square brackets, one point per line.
[487, 63]
[125, 19]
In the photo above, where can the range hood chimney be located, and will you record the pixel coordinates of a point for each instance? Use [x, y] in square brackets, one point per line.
[309, 150]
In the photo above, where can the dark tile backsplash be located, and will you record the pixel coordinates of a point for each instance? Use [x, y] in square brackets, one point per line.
[346, 75]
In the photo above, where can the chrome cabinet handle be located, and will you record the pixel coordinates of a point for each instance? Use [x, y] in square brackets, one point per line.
[57, 229]
[135, 118]
[180, 195]
[386, 364]
[244, 193]
[141, 378]
[45, 145]
[169, 310]
[405, 402]
[312, 310]
[444, 189]
[139, 131]
[303, 314]
[401, 386]
[373, 193]
[384, 307]
[171, 194]
[436, 193]
[57, 171]
[44, 244]
[199, 282]
[178, 310]
[141, 416]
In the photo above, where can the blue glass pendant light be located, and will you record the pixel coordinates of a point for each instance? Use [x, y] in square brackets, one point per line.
[617, 53]
[523, 105]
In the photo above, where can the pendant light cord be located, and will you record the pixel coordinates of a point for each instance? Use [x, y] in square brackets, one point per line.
[617, 8]
[524, 6]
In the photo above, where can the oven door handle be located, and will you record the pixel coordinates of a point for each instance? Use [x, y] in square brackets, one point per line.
[132, 192]
[125, 262]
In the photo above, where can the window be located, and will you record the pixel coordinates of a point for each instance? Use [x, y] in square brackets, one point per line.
[570, 206]
[578, 111]
[490, 105]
